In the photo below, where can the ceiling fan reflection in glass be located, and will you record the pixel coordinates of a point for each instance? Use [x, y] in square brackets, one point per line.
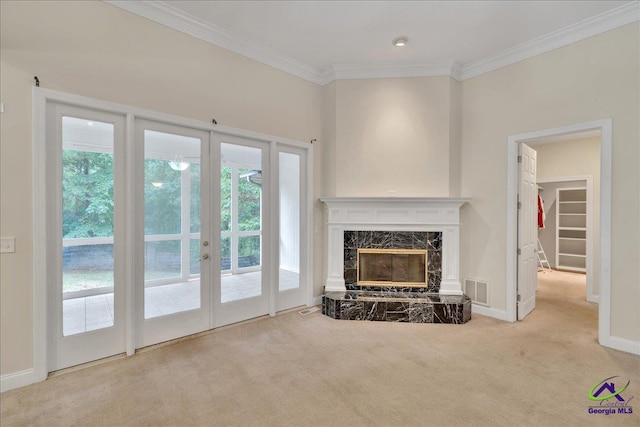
[178, 163]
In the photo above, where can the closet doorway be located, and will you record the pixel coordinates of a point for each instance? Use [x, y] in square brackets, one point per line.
[569, 187]
[600, 131]
[570, 234]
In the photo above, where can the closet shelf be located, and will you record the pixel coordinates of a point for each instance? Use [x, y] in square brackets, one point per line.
[573, 255]
[571, 229]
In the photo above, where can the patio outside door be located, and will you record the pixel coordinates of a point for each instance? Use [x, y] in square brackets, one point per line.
[292, 243]
[241, 290]
[149, 231]
[85, 237]
[172, 242]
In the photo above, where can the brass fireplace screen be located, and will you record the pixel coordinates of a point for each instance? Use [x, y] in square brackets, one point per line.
[392, 267]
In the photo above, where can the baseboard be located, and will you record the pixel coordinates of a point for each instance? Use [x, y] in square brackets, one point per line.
[317, 300]
[623, 344]
[489, 312]
[17, 379]
[593, 298]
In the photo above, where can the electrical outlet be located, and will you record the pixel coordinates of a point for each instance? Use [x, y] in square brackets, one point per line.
[7, 244]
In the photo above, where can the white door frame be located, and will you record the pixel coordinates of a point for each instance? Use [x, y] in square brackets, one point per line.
[40, 98]
[605, 128]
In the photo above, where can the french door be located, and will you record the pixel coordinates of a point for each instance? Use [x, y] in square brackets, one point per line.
[85, 235]
[153, 230]
[263, 216]
[241, 290]
[172, 244]
[291, 244]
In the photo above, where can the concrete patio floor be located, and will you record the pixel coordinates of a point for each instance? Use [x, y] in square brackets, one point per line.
[95, 312]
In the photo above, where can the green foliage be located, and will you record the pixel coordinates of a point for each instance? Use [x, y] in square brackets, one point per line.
[162, 203]
[87, 183]
[249, 199]
[225, 198]
[248, 204]
[249, 245]
[87, 194]
[194, 170]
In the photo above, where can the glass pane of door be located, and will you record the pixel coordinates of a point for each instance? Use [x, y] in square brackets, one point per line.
[87, 225]
[171, 223]
[289, 179]
[241, 222]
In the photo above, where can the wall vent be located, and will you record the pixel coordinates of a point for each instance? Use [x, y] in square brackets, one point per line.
[477, 290]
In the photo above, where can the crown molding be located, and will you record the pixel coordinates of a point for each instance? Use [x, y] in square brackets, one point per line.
[174, 18]
[590, 27]
[165, 14]
[389, 70]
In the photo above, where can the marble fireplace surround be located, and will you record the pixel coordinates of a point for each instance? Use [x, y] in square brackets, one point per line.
[409, 214]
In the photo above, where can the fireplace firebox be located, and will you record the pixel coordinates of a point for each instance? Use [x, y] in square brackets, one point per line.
[392, 267]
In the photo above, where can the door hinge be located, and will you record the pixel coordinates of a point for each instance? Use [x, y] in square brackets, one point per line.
[519, 251]
[518, 298]
[519, 205]
[519, 159]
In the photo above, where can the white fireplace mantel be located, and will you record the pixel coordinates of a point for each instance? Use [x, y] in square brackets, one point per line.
[394, 214]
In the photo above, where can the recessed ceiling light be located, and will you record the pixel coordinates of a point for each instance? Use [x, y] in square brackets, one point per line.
[400, 41]
[89, 123]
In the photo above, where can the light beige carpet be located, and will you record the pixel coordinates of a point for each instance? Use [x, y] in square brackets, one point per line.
[295, 370]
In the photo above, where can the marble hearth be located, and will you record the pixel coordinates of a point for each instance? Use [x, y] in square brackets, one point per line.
[428, 226]
[412, 307]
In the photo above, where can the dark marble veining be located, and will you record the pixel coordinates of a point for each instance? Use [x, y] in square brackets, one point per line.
[429, 240]
[412, 307]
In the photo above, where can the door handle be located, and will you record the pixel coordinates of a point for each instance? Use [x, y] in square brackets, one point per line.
[204, 256]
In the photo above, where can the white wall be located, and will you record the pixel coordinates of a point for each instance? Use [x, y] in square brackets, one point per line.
[569, 159]
[392, 135]
[97, 50]
[593, 79]
[455, 137]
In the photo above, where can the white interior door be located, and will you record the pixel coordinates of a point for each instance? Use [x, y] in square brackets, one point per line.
[85, 237]
[172, 241]
[527, 231]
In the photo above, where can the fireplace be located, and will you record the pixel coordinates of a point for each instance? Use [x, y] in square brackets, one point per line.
[391, 267]
[394, 259]
[407, 261]
[394, 223]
